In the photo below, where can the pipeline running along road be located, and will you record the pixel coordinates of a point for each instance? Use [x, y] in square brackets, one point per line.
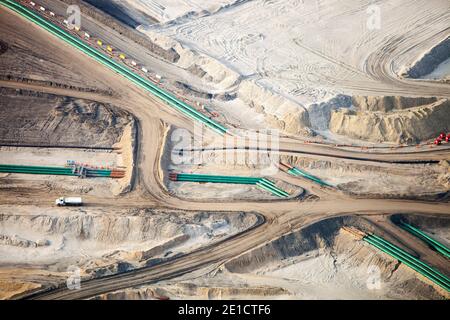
[110, 63]
[287, 145]
[281, 217]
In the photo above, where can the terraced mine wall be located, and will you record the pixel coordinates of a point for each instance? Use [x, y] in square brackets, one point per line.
[400, 125]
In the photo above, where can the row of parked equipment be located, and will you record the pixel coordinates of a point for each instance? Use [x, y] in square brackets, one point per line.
[441, 138]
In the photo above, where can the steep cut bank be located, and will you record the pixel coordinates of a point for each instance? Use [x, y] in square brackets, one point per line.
[169, 11]
[317, 236]
[279, 112]
[124, 28]
[389, 103]
[275, 110]
[322, 260]
[393, 119]
[436, 227]
[429, 61]
[208, 69]
[99, 242]
[193, 291]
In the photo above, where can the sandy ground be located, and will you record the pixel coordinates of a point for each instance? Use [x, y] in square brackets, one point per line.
[193, 190]
[55, 120]
[11, 288]
[276, 88]
[302, 61]
[58, 158]
[94, 237]
[340, 267]
[102, 241]
[271, 49]
[374, 179]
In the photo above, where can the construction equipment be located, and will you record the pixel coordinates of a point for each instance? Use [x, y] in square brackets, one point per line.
[122, 56]
[213, 113]
[100, 42]
[442, 137]
[69, 201]
[83, 170]
[109, 48]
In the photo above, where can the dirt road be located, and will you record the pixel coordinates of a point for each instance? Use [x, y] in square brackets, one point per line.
[277, 224]
[153, 117]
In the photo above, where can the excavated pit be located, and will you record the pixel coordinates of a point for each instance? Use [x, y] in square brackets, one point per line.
[324, 261]
[47, 119]
[319, 261]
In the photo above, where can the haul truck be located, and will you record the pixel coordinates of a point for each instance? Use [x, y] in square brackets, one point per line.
[69, 201]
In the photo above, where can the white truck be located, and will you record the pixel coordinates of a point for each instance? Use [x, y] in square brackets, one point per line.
[69, 201]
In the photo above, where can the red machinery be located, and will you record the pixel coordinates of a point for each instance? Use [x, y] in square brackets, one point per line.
[173, 176]
[442, 137]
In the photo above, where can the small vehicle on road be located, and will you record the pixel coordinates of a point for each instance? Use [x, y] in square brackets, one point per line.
[69, 201]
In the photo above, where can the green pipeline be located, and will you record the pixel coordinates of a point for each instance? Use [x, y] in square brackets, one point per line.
[408, 260]
[122, 70]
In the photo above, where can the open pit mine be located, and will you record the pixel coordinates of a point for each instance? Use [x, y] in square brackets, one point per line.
[226, 149]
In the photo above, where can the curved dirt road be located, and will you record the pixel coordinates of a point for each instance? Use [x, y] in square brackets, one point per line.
[281, 217]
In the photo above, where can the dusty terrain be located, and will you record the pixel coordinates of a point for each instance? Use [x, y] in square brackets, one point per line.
[102, 242]
[59, 121]
[344, 107]
[319, 262]
[287, 59]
